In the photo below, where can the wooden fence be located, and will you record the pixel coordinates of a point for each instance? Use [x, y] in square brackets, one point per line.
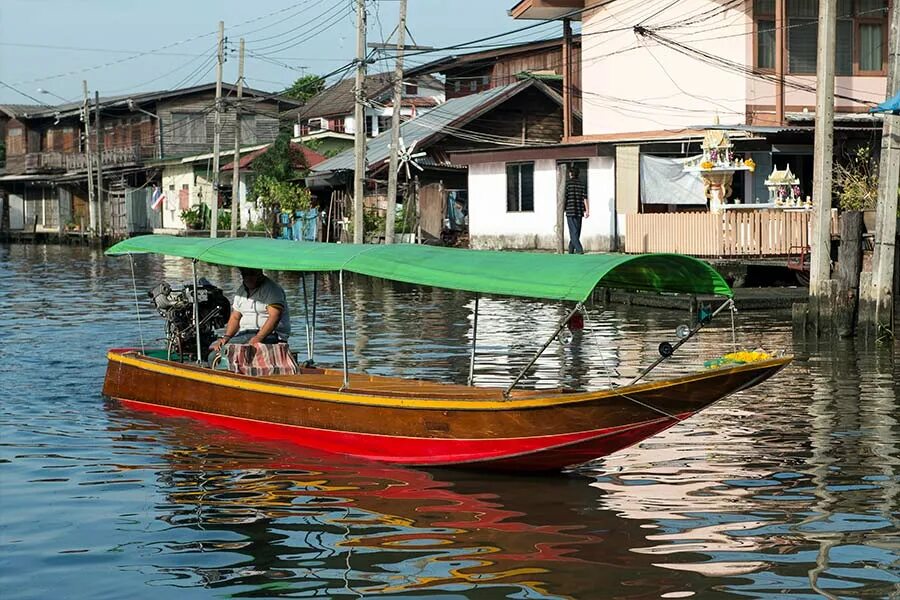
[725, 234]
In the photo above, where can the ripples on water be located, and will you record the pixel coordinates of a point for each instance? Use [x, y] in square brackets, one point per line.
[789, 490]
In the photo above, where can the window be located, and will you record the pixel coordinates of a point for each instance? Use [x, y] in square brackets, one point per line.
[520, 187]
[765, 44]
[860, 35]
[384, 123]
[248, 129]
[457, 84]
[188, 128]
[338, 124]
[473, 85]
[410, 89]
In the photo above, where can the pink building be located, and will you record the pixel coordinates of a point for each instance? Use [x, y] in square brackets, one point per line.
[654, 78]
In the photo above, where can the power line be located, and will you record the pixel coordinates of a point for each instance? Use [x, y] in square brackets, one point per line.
[20, 92]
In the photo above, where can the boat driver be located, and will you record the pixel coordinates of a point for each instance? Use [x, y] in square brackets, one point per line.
[259, 314]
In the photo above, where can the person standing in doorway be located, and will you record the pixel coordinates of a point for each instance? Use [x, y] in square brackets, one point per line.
[577, 207]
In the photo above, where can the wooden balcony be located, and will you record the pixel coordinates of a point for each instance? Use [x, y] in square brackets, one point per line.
[65, 162]
[744, 233]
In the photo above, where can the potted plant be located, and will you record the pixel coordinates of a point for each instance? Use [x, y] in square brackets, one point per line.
[856, 184]
[196, 217]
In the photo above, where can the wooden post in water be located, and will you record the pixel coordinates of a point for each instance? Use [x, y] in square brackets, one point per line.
[849, 266]
[879, 287]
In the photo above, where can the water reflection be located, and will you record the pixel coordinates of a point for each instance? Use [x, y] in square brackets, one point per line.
[323, 525]
[786, 490]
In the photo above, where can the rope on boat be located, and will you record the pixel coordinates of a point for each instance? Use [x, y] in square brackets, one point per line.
[653, 408]
[137, 306]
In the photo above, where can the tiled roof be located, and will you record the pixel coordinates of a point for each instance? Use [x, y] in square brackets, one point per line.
[311, 157]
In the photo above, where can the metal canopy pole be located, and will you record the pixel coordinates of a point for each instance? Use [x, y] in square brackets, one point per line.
[697, 327]
[196, 311]
[562, 324]
[312, 337]
[343, 332]
[306, 317]
[474, 337]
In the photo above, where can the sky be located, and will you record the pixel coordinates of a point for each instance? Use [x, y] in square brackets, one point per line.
[122, 47]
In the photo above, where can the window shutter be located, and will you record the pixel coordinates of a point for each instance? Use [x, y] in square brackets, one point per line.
[512, 188]
[527, 171]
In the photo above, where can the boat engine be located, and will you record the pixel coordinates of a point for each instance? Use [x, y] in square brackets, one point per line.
[177, 308]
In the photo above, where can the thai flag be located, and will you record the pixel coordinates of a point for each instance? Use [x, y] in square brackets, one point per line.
[157, 198]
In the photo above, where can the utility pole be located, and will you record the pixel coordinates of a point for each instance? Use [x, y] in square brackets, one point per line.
[88, 159]
[236, 174]
[879, 291]
[567, 79]
[359, 117]
[395, 130]
[217, 134]
[99, 165]
[820, 245]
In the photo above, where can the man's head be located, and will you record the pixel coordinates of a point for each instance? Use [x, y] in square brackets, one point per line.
[573, 173]
[251, 277]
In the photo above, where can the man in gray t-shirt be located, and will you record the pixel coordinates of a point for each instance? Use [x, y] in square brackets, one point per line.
[259, 314]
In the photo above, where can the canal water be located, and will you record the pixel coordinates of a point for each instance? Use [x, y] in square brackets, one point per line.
[788, 490]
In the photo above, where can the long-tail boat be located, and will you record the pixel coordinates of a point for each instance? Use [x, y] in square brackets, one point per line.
[425, 423]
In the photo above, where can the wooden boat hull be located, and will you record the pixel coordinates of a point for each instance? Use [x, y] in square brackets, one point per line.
[423, 423]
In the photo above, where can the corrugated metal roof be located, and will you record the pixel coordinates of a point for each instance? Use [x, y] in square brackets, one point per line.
[139, 97]
[17, 110]
[422, 127]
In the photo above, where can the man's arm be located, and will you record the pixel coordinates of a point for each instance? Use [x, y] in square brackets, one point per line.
[587, 208]
[271, 323]
[231, 328]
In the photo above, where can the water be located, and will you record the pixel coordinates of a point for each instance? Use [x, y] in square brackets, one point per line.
[789, 490]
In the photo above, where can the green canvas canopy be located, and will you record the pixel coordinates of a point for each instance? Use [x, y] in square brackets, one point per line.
[528, 274]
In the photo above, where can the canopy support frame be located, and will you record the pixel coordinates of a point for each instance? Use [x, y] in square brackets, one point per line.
[578, 307]
[346, 382]
[312, 336]
[196, 303]
[310, 329]
[474, 338]
[696, 328]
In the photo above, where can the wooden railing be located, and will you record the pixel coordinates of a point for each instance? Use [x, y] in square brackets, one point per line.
[725, 234]
[43, 162]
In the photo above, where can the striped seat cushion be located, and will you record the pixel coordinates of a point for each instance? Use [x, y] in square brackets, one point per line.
[261, 359]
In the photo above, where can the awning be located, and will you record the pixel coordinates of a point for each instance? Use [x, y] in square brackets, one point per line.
[664, 181]
[526, 274]
[891, 105]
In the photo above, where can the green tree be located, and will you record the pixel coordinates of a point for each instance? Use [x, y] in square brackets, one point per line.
[305, 87]
[275, 170]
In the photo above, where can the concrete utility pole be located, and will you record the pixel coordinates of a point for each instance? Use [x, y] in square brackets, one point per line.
[395, 130]
[567, 79]
[359, 117]
[99, 166]
[236, 174]
[88, 159]
[877, 302]
[217, 135]
[820, 245]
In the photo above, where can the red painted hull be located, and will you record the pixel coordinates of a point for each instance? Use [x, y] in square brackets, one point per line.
[422, 423]
[540, 453]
